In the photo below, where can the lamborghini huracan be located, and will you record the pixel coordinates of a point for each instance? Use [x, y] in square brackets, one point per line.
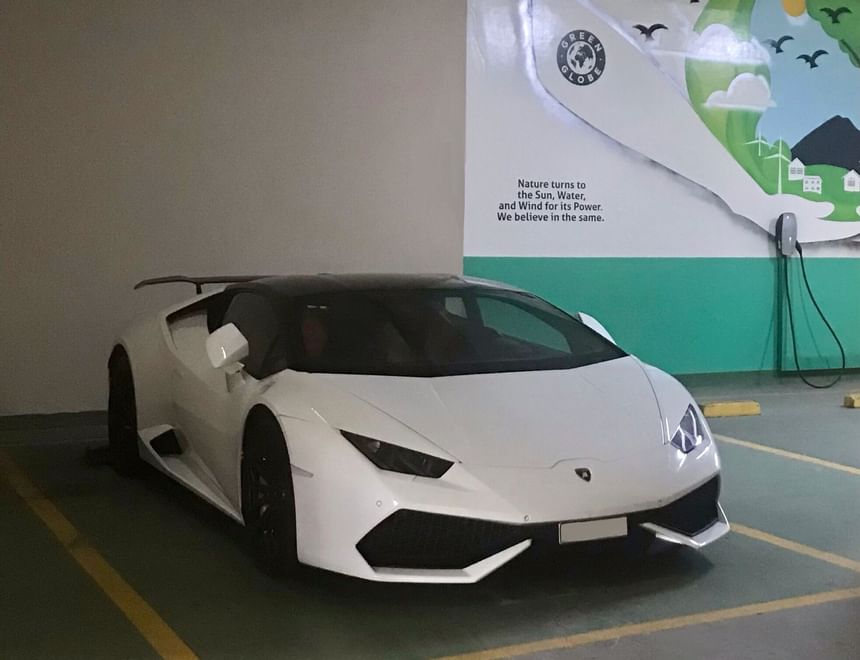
[408, 428]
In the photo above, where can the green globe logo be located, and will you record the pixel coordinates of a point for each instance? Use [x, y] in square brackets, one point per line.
[581, 57]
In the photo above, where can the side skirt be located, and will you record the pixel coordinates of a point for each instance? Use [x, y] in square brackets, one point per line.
[179, 468]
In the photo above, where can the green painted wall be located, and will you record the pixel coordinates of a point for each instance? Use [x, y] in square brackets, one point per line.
[697, 315]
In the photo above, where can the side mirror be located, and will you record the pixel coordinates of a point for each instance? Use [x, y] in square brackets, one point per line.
[594, 324]
[226, 346]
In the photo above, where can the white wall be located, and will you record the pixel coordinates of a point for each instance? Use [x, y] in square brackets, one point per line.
[147, 138]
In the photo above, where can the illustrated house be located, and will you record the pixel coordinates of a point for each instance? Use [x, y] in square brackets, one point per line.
[812, 184]
[852, 181]
[796, 170]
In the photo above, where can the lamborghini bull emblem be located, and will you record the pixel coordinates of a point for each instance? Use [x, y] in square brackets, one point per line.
[583, 473]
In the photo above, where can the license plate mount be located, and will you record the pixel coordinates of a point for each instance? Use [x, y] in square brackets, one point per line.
[591, 530]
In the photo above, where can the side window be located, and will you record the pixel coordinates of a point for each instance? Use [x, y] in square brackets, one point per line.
[255, 318]
[513, 321]
[215, 308]
[456, 305]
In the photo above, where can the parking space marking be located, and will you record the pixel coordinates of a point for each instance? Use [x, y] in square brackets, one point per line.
[849, 469]
[659, 625]
[799, 548]
[142, 616]
[712, 409]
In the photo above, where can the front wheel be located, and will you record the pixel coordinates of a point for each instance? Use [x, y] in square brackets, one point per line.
[268, 503]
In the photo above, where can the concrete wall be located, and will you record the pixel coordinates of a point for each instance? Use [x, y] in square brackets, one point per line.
[147, 138]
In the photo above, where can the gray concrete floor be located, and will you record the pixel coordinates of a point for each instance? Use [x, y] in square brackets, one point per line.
[191, 565]
[822, 631]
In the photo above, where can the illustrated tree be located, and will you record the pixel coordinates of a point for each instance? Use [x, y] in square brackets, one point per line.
[843, 26]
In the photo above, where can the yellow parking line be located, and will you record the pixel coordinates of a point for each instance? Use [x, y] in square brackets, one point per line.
[672, 623]
[141, 615]
[849, 469]
[799, 548]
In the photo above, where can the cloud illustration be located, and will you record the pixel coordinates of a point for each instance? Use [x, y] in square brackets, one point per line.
[719, 43]
[746, 92]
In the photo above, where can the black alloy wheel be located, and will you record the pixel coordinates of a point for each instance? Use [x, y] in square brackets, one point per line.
[268, 503]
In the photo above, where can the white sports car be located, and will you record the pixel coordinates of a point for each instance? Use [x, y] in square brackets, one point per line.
[409, 428]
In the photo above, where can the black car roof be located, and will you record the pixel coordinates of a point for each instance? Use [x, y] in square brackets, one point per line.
[298, 285]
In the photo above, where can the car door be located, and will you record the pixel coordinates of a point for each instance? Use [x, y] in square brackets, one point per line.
[211, 404]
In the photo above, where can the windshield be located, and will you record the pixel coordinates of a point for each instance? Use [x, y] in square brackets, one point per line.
[437, 332]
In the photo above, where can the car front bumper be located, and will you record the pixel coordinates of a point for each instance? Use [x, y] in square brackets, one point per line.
[426, 546]
[355, 519]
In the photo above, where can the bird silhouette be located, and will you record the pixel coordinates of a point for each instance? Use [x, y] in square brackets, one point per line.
[834, 14]
[812, 60]
[777, 43]
[648, 32]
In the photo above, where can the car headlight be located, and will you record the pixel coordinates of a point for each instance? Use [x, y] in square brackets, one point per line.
[398, 459]
[691, 433]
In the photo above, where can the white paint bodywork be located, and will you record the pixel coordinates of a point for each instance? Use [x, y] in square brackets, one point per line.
[515, 440]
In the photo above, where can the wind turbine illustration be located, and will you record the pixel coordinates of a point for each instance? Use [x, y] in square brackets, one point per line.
[782, 158]
[760, 141]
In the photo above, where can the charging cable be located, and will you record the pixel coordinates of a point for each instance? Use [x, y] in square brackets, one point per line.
[823, 318]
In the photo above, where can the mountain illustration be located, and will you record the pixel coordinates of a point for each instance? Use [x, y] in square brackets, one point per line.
[836, 142]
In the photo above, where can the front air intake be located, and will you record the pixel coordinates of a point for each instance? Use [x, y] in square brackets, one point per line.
[417, 539]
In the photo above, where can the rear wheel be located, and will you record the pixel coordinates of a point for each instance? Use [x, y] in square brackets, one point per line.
[268, 503]
[122, 416]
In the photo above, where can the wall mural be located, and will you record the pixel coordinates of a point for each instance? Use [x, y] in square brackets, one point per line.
[791, 119]
[757, 101]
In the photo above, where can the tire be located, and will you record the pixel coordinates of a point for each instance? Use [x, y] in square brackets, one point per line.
[268, 502]
[122, 417]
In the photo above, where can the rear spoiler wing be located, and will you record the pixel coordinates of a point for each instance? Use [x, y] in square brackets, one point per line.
[198, 282]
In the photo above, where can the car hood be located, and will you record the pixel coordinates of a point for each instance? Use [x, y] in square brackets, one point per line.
[532, 419]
